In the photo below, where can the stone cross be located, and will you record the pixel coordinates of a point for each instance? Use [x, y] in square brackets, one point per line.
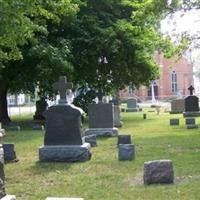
[191, 88]
[62, 86]
[100, 94]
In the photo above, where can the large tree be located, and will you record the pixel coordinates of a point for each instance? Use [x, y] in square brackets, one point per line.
[24, 28]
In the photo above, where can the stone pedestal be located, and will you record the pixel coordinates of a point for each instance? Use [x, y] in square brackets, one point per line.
[102, 132]
[126, 152]
[65, 153]
[158, 171]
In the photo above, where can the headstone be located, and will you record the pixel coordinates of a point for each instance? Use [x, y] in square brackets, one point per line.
[132, 105]
[174, 122]
[9, 153]
[191, 105]
[91, 139]
[101, 121]
[62, 198]
[116, 109]
[144, 116]
[190, 123]
[124, 139]
[41, 106]
[158, 171]
[126, 152]
[177, 106]
[63, 134]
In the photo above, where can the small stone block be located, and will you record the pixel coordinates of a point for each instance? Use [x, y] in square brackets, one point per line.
[126, 152]
[124, 139]
[174, 122]
[144, 116]
[63, 198]
[192, 126]
[9, 197]
[14, 128]
[92, 139]
[9, 152]
[158, 172]
[189, 121]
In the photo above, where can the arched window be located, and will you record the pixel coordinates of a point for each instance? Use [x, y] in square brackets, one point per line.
[174, 82]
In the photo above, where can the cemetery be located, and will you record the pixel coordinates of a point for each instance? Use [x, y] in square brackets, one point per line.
[99, 100]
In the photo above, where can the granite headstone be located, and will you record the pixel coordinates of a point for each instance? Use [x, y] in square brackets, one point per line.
[132, 105]
[177, 106]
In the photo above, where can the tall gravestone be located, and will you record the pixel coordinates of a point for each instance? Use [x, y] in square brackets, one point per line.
[132, 105]
[63, 136]
[177, 106]
[41, 106]
[101, 119]
[191, 104]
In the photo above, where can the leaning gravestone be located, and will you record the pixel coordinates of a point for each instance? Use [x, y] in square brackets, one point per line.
[63, 133]
[158, 171]
[191, 105]
[177, 106]
[132, 105]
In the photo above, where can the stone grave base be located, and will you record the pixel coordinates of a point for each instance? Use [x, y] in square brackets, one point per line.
[62, 198]
[8, 197]
[102, 132]
[191, 114]
[65, 153]
[132, 110]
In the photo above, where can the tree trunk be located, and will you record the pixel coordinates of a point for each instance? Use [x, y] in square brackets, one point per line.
[4, 118]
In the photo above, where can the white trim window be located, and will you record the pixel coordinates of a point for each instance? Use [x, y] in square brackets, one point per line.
[174, 86]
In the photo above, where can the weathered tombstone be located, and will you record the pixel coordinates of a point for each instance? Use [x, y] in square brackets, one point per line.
[191, 105]
[41, 106]
[158, 172]
[144, 116]
[174, 122]
[190, 123]
[124, 139]
[126, 152]
[177, 106]
[101, 121]
[132, 105]
[117, 118]
[63, 134]
[9, 153]
[62, 198]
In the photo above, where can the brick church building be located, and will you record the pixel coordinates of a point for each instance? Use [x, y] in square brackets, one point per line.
[176, 75]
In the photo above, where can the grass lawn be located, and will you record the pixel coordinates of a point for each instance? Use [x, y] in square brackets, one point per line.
[104, 177]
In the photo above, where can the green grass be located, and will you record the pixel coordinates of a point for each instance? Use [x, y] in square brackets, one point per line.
[104, 177]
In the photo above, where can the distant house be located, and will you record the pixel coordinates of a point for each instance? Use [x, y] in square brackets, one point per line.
[176, 75]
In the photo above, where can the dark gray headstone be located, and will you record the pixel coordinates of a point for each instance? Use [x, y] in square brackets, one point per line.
[126, 152]
[124, 139]
[41, 106]
[158, 171]
[144, 116]
[191, 104]
[174, 122]
[189, 121]
[101, 115]
[9, 152]
[63, 125]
